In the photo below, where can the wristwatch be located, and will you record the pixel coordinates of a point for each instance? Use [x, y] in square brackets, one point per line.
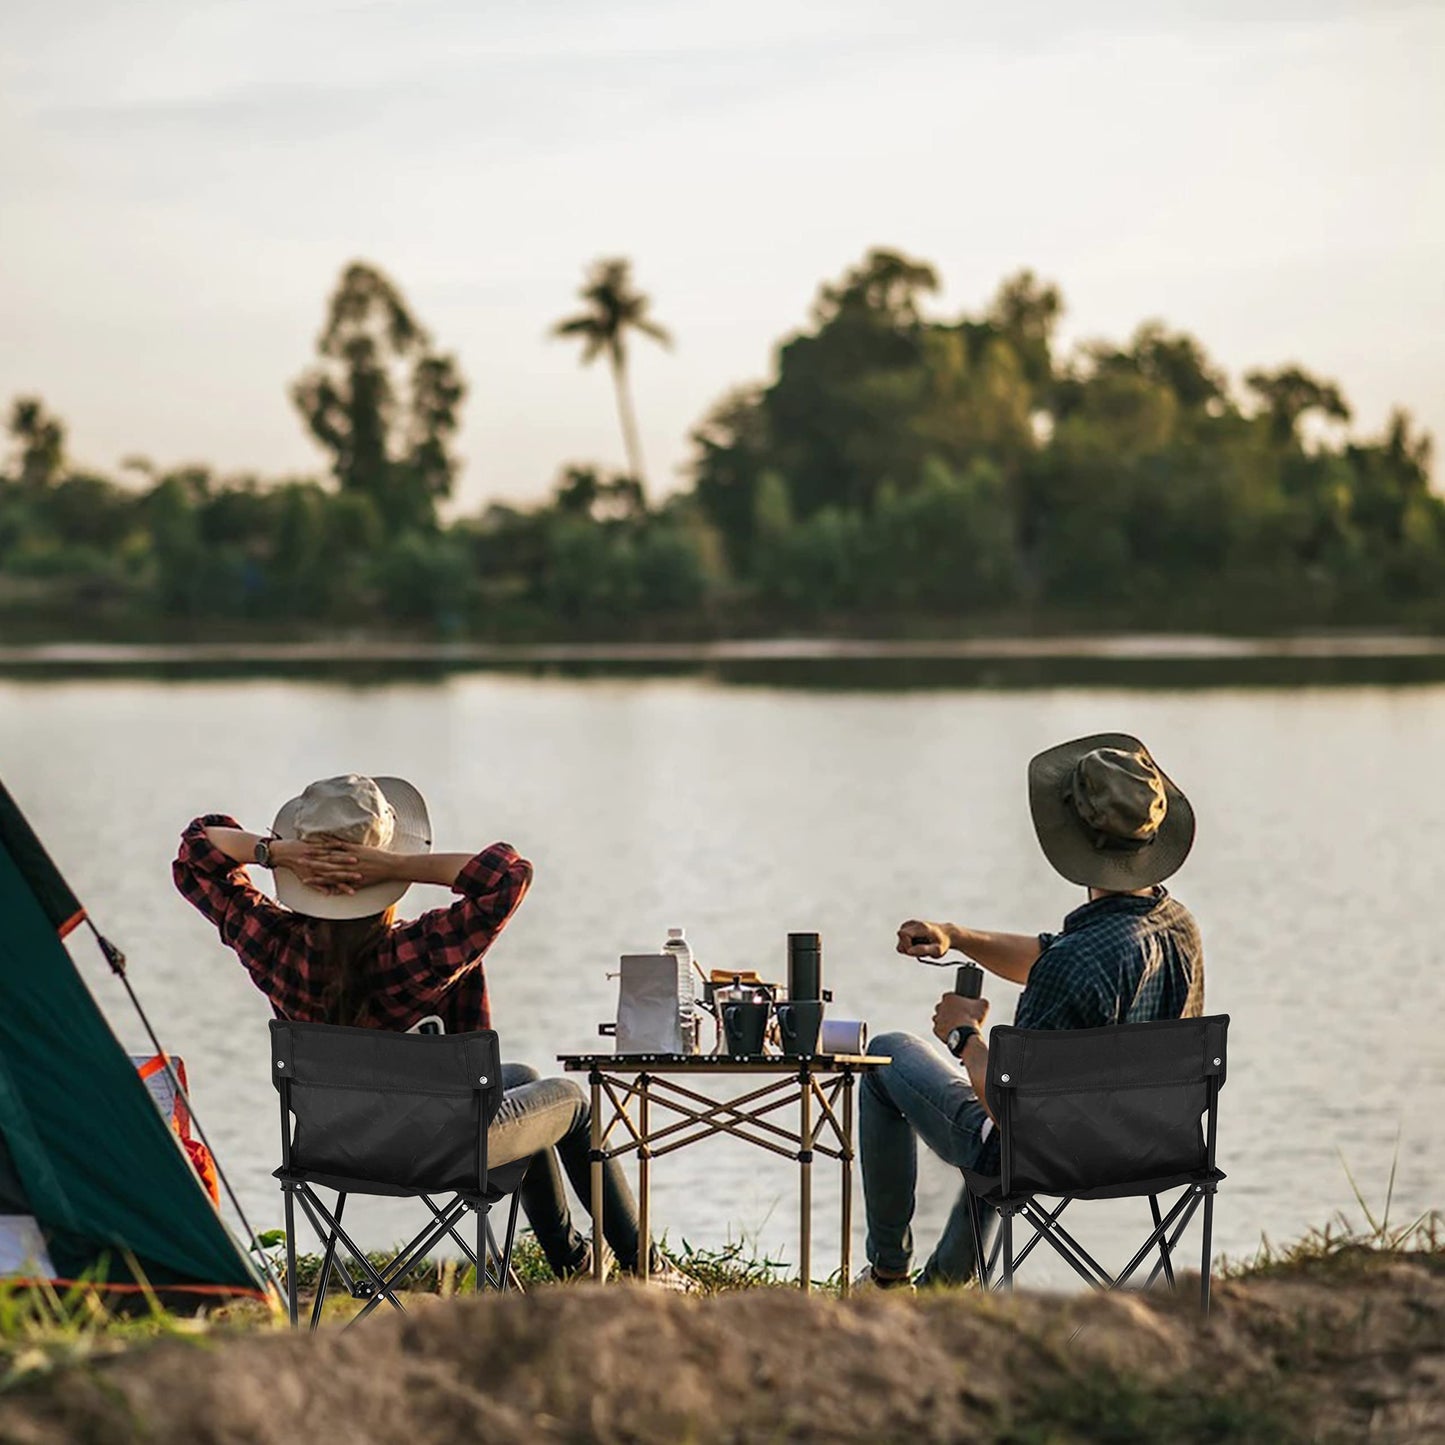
[957, 1040]
[263, 852]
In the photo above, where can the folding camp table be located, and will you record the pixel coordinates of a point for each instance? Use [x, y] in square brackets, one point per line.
[633, 1086]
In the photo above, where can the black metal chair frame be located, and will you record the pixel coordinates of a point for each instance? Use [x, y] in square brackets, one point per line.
[1169, 1226]
[363, 1279]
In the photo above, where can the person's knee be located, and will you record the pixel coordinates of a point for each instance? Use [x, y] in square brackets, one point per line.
[515, 1075]
[886, 1045]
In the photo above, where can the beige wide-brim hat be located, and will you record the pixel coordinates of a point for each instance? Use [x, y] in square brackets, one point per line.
[376, 812]
[1107, 815]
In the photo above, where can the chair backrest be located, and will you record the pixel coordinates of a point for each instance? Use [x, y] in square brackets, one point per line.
[409, 1111]
[1094, 1109]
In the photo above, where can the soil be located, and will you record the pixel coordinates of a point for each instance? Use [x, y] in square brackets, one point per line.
[1348, 1350]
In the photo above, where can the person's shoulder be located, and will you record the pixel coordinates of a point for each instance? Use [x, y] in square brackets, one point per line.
[1174, 909]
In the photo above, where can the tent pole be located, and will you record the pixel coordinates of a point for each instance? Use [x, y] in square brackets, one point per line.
[116, 959]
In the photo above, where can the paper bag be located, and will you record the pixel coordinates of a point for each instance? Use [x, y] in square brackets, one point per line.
[650, 1004]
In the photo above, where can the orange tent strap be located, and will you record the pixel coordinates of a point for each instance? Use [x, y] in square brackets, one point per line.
[71, 923]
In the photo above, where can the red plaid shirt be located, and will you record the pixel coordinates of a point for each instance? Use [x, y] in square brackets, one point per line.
[431, 965]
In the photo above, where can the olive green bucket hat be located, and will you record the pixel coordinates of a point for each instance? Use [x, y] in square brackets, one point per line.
[1107, 815]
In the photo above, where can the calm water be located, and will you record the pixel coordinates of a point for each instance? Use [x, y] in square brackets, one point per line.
[742, 813]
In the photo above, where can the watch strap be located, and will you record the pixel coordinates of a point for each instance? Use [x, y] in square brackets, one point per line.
[963, 1035]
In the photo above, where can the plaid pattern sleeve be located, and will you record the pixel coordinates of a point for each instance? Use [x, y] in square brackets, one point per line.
[258, 930]
[433, 962]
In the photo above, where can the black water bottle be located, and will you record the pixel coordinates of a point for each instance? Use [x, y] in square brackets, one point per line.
[805, 967]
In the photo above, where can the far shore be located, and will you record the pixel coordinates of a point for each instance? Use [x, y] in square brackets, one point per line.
[1114, 647]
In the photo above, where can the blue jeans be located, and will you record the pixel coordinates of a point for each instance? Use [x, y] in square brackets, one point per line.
[920, 1095]
[548, 1119]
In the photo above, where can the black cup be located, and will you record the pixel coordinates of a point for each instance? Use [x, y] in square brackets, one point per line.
[744, 1025]
[798, 1025]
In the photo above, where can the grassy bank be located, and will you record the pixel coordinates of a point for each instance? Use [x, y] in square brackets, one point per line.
[1339, 1337]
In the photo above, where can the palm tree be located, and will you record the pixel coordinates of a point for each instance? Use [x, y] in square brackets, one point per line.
[614, 309]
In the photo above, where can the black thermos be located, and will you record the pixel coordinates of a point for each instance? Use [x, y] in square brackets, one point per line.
[805, 966]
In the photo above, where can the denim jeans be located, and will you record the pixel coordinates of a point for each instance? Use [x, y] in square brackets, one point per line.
[548, 1118]
[920, 1095]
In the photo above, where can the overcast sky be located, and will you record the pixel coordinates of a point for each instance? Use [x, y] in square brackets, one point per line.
[181, 181]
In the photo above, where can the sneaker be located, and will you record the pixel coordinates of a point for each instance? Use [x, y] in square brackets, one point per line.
[581, 1272]
[866, 1282]
[668, 1276]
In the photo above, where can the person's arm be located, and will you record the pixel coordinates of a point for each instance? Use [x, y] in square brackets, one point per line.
[316, 865]
[956, 1012]
[432, 951]
[1009, 955]
[349, 866]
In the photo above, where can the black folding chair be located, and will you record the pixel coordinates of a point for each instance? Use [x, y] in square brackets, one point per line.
[1102, 1114]
[366, 1111]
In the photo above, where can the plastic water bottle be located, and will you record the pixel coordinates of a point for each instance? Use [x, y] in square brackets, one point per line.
[677, 946]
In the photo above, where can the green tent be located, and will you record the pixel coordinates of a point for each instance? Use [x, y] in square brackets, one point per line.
[93, 1184]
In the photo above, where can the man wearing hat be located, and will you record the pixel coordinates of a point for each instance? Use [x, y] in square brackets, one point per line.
[1109, 819]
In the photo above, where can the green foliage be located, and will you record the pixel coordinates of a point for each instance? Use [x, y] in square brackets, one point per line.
[613, 310]
[897, 469]
[382, 402]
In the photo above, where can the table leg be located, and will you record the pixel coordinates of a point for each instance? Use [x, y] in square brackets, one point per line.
[599, 1262]
[644, 1184]
[845, 1257]
[805, 1180]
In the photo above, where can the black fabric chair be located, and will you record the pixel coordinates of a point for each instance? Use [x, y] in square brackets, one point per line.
[1102, 1114]
[365, 1111]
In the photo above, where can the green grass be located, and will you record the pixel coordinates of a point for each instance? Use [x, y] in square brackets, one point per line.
[1341, 1242]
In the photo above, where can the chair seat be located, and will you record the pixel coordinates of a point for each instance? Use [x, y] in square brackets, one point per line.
[988, 1187]
[501, 1181]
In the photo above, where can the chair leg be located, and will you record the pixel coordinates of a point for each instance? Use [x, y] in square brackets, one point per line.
[1006, 1227]
[1163, 1243]
[328, 1258]
[1204, 1257]
[483, 1255]
[292, 1297]
[980, 1255]
[507, 1275]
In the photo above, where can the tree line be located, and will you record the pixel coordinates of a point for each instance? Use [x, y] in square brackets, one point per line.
[895, 472]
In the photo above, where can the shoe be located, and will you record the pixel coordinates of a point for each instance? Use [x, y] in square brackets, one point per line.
[582, 1270]
[667, 1275]
[866, 1282]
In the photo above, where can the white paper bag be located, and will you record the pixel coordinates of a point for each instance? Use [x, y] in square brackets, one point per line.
[650, 1005]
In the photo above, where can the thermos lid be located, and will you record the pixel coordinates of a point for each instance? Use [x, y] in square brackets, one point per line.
[803, 942]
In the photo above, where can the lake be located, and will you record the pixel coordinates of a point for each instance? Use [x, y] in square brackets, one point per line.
[744, 812]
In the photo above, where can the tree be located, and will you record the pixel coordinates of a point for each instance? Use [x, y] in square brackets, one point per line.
[614, 309]
[382, 401]
[1291, 392]
[41, 440]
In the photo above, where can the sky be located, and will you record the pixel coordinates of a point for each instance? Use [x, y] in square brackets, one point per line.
[181, 181]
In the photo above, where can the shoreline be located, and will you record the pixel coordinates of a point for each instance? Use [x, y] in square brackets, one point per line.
[1106, 647]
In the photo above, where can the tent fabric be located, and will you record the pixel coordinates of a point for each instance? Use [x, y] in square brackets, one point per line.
[101, 1172]
[51, 891]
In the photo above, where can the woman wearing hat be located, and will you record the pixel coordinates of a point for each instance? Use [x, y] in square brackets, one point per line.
[331, 950]
[1109, 819]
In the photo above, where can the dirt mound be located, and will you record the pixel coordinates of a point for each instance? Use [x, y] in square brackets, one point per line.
[1314, 1355]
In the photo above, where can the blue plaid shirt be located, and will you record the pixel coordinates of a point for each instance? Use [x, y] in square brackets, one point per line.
[1121, 959]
